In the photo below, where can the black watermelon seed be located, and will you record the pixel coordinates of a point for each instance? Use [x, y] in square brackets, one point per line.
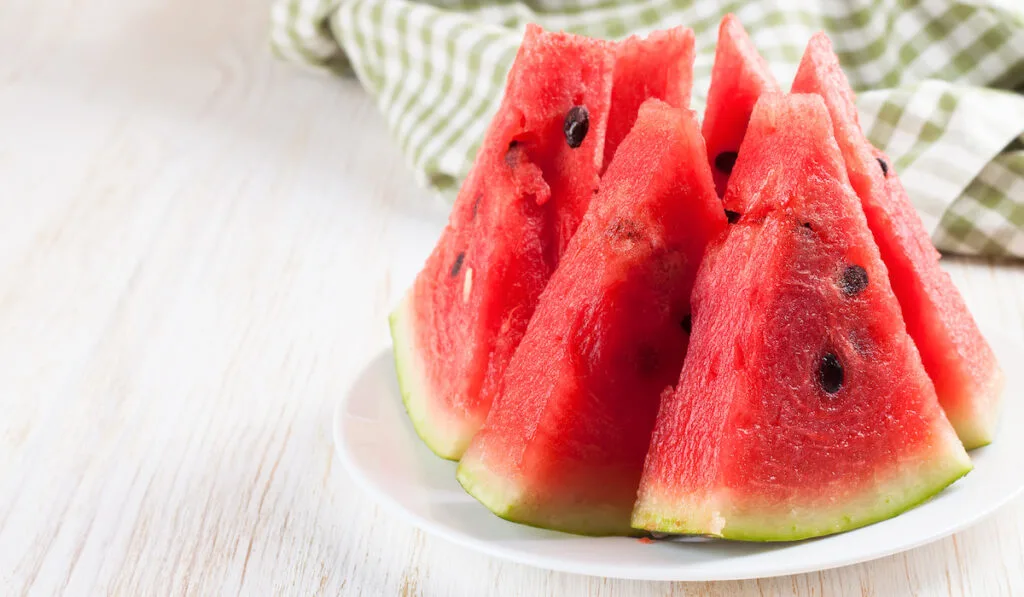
[576, 125]
[457, 266]
[807, 225]
[830, 373]
[854, 280]
[732, 216]
[884, 165]
[725, 161]
[687, 323]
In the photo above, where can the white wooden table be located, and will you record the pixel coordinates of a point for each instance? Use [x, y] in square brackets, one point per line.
[198, 248]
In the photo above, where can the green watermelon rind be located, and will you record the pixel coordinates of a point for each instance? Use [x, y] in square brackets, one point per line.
[977, 419]
[911, 490]
[493, 491]
[508, 502]
[412, 382]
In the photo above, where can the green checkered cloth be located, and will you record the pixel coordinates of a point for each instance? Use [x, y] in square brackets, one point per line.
[939, 81]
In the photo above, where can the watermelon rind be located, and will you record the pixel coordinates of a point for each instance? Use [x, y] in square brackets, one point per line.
[441, 437]
[493, 491]
[911, 486]
[509, 502]
[977, 429]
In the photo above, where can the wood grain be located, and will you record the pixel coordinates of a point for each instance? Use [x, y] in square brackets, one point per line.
[198, 248]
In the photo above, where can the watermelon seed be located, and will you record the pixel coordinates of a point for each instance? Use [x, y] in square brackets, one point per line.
[830, 373]
[884, 165]
[576, 125]
[807, 225]
[467, 284]
[732, 216]
[476, 205]
[457, 266]
[725, 161]
[687, 323]
[854, 280]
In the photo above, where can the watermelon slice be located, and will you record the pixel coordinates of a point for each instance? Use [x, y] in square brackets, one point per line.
[534, 175]
[564, 444]
[803, 408]
[959, 361]
[739, 76]
[659, 66]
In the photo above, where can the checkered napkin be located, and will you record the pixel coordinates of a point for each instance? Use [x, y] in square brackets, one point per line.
[940, 82]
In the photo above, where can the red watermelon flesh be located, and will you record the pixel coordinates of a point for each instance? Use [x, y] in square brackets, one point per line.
[739, 76]
[564, 444]
[803, 408]
[959, 361]
[659, 66]
[457, 327]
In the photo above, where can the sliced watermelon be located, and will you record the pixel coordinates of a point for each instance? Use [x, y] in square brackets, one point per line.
[739, 76]
[959, 361]
[659, 66]
[534, 175]
[564, 444]
[803, 408]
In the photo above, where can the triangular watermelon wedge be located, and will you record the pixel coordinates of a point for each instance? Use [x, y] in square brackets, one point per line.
[659, 66]
[739, 76]
[803, 408]
[533, 177]
[564, 444]
[959, 361]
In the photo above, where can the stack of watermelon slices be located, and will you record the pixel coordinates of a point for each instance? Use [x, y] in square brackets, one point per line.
[609, 347]
[534, 176]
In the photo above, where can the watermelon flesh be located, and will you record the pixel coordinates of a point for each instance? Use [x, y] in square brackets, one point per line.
[739, 76]
[564, 444]
[659, 66]
[803, 408]
[457, 327]
[967, 377]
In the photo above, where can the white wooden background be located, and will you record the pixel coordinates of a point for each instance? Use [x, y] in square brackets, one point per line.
[198, 247]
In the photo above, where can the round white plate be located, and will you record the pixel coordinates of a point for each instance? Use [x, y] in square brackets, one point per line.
[380, 449]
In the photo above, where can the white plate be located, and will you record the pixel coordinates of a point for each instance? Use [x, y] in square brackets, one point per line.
[381, 451]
